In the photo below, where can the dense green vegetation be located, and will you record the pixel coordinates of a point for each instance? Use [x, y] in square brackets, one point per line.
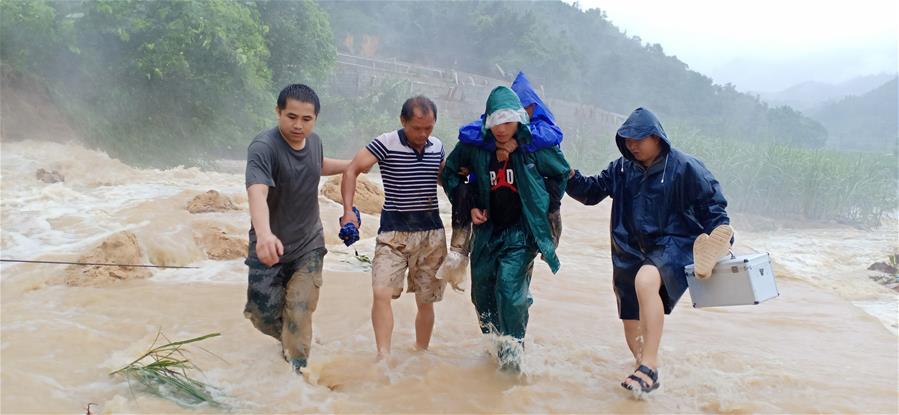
[176, 82]
[790, 182]
[166, 82]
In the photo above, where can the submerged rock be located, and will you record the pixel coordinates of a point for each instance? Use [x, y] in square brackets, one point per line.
[887, 274]
[220, 245]
[51, 176]
[119, 248]
[883, 267]
[211, 201]
[369, 197]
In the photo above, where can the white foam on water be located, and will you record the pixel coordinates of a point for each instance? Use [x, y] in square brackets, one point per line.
[208, 271]
[885, 309]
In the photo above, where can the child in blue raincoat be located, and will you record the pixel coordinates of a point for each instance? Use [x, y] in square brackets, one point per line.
[662, 201]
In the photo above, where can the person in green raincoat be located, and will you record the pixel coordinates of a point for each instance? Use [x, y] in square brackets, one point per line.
[510, 202]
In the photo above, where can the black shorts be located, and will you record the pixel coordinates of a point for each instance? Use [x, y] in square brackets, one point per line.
[626, 293]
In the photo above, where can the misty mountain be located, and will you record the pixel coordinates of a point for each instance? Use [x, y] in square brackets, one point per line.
[811, 96]
[866, 122]
[576, 55]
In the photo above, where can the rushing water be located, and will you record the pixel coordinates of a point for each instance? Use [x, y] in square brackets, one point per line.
[827, 344]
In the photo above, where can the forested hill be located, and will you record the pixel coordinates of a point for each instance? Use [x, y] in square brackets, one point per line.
[810, 96]
[577, 55]
[866, 122]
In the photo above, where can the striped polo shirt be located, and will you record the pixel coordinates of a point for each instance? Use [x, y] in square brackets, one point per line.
[410, 182]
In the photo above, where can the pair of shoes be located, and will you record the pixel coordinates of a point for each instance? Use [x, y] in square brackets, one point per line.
[708, 249]
[644, 386]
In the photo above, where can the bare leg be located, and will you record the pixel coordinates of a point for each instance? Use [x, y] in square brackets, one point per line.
[424, 325]
[633, 335]
[382, 319]
[652, 316]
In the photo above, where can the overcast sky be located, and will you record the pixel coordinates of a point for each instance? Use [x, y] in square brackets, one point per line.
[766, 45]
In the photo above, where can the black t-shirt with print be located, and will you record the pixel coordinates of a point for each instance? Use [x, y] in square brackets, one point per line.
[505, 204]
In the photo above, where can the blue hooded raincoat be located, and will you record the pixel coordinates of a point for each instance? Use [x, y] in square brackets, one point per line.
[657, 212]
[544, 131]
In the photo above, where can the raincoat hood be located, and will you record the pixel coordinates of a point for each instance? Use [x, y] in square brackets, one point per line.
[500, 99]
[528, 96]
[542, 125]
[641, 123]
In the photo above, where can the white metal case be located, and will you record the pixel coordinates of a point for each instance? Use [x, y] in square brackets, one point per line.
[740, 280]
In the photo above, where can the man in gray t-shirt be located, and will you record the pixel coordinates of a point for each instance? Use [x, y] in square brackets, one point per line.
[287, 247]
[292, 180]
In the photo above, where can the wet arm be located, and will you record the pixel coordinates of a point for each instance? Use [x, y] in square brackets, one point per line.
[331, 166]
[449, 176]
[555, 170]
[363, 161]
[268, 246]
[259, 178]
[591, 190]
[259, 214]
[440, 172]
[709, 203]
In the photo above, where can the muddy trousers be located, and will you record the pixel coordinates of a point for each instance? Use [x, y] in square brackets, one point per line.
[501, 266]
[281, 300]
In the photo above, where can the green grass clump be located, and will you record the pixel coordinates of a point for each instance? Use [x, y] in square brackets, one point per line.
[164, 371]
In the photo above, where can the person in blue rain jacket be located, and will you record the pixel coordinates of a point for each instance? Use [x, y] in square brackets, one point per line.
[662, 201]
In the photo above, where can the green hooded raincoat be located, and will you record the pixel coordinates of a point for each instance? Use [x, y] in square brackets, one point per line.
[502, 262]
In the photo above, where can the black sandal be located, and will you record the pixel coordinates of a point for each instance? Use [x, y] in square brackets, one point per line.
[644, 387]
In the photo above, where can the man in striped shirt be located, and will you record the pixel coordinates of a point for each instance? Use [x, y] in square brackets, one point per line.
[411, 234]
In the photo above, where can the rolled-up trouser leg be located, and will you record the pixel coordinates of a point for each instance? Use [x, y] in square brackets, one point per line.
[483, 286]
[516, 263]
[265, 297]
[300, 301]
[460, 241]
[555, 226]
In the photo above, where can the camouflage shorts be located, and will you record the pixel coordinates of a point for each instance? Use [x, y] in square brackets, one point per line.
[282, 298]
